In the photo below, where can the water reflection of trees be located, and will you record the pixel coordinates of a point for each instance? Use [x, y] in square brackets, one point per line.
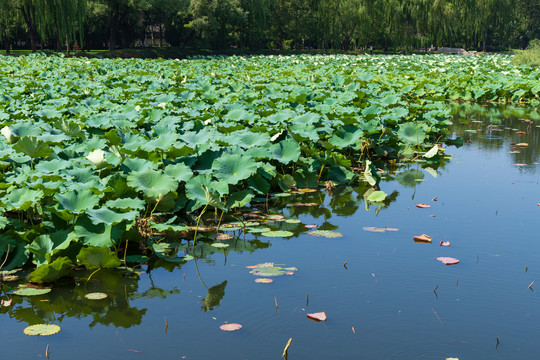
[493, 128]
[66, 300]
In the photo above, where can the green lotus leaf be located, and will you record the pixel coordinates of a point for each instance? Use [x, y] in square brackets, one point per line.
[94, 257]
[377, 196]
[389, 100]
[195, 189]
[152, 183]
[277, 233]
[96, 296]
[77, 201]
[138, 165]
[180, 172]
[51, 272]
[22, 199]
[52, 166]
[232, 168]
[346, 136]
[411, 133]
[107, 216]
[4, 221]
[259, 184]
[305, 179]
[13, 252]
[168, 226]
[163, 142]
[251, 139]
[240, 199]
[126, 204]
[33, 147]
[101, 235]
[44, 245]
[42, 329]
[220, 245]
[69, 128]
[326, 233]
[31, 291]
[285, 151]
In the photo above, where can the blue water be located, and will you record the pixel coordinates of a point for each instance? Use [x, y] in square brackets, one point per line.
[482, 307]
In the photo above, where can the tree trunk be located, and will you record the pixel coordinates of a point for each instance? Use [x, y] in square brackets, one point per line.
[160, 35]
[484, 47]
[5, 40]
[114, 28]
[31, 29]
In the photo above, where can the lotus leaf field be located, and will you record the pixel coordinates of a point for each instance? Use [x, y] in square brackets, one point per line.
[99, 156]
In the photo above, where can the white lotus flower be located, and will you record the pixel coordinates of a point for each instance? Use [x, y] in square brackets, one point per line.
[6, 131]
[97, 157]
[162, 105]
[137, 108]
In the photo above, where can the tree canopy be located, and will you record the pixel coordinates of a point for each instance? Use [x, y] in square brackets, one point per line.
[276, 24]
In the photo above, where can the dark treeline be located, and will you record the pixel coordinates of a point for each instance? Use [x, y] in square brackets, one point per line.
[269, 24]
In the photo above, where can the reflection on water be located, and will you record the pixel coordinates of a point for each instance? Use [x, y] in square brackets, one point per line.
[385, 292]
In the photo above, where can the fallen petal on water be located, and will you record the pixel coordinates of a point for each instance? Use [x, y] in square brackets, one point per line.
[320, 316]
[422, 238]
[447, 260]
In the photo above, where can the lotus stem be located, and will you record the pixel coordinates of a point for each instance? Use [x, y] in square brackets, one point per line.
[284, 355]
[92, 274]
[7, 254]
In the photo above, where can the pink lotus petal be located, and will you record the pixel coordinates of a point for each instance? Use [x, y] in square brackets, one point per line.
[320, 316]
[447, 260]
[311, 226]
[445, 243]
[423, 206]
[230, 327]
[6, 303]
[520, 164]
[263, 280]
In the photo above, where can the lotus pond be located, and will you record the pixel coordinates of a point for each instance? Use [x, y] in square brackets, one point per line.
[216, 207]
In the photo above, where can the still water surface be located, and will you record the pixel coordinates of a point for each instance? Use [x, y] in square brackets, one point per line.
[380, 305]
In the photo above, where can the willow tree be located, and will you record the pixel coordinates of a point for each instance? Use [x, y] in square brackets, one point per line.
[61, 20]
[8, 23]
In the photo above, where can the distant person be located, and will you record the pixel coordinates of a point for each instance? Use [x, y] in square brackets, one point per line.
[371, 49]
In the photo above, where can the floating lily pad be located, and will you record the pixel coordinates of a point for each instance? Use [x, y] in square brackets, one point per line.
[230, 327]
[96, 296]
[326, 233]
[220, 245]
[293, 221]
[277, 233]
[10, 278]
[202, 228]
[303, 204]
[269, 270]
[258, 230]
[42, 329]
[222, 236]
[275, 217]
[30, 291]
